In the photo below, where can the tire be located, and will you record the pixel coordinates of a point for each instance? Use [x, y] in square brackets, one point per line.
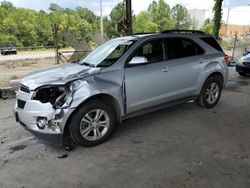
[210, 92]
[242, 73]
[85, 128]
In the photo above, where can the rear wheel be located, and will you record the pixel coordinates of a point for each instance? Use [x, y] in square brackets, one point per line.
[92, 124]
[211, 92]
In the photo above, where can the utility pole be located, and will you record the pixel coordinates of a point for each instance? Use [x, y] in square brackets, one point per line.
[129, 30]
[227, 21]
[102, 35]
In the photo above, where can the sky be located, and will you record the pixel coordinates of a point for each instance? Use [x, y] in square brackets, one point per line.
[236, 13]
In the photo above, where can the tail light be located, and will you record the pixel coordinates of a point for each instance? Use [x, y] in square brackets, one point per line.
[226, 58]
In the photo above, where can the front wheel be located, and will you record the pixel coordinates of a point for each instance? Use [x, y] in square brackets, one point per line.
[92, 124]
[210, 93]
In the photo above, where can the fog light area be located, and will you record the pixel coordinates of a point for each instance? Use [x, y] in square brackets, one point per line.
[55, 126]
[42, 122]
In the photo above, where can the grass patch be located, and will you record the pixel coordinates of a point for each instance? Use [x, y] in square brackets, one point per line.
[13, 77]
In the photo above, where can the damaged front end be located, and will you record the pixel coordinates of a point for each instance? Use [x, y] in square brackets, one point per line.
[44, 110]
[58, 99]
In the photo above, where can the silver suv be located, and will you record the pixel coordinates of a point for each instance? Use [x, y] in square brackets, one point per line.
[83, 101]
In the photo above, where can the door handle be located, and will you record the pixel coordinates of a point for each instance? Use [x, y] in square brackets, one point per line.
[166, 69]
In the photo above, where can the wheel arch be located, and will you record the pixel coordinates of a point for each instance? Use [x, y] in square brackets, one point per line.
[101, 97]
[218, 75]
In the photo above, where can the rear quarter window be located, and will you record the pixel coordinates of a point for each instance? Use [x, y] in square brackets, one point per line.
[212, 42]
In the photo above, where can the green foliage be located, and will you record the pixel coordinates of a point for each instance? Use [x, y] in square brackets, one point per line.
[142, 23]
[207, 26]
[13, 77]
[194, 24]
[181, 17]
[26, 27]
[217, 17]
[117, 15]
[161, 15]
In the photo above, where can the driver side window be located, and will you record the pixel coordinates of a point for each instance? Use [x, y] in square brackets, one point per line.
[152, 51]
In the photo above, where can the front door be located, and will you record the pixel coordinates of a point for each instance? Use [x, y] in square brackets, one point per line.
[146, 84]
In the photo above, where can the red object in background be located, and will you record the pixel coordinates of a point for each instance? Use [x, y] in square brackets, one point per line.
[226, 58]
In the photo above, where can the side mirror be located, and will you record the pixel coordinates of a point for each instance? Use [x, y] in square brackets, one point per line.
[138, 60]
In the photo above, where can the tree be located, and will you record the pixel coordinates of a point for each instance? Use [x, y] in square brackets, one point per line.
[217, 17]
[142, 23]
[117, 16]
[160, 14]
[7, 5]
[26, 27]
[86, 14]
[53, 7]
[181, 17]
[194, 24]
[207, 26]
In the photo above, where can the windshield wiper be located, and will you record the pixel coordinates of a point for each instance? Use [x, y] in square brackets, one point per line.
[88, 64]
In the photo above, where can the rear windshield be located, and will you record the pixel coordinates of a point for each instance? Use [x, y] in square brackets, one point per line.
[212, 42]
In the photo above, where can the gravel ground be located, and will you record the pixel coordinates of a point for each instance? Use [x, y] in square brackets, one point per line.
[17, 66]
[184, 147]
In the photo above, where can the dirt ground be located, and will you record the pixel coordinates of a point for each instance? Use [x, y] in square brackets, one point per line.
[183, 147]
[17, 66]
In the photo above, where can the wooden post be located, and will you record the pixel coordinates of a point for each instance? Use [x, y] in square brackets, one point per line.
[55, 36]
[235, 40]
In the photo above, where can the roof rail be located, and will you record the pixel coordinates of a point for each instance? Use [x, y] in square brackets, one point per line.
[143, 33]
[184, 31]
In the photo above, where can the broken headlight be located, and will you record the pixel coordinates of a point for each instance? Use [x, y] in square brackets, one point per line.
[58, 95]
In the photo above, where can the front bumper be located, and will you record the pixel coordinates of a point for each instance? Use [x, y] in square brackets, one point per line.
[51, 139]
[242, 68]
[27, 118]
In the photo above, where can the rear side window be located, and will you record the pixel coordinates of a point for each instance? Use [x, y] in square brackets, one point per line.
[212, 42]
[182, 47]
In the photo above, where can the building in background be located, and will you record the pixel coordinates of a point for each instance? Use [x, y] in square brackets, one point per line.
[236, 20]
[230, 30]
[200, 15]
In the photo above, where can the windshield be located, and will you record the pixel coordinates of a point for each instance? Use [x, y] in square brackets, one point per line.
[108, 53]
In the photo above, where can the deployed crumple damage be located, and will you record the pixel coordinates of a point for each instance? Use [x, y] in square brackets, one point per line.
[58, 75]
[57, 91]
[57, 84]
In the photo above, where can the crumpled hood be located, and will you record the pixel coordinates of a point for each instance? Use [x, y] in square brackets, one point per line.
[58, 74]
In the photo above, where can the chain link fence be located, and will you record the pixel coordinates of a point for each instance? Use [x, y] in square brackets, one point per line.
[236, 46]
[15, 65]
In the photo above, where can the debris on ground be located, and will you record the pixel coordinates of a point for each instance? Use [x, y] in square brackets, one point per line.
[7, 93]
[62, 156]
[17, 148]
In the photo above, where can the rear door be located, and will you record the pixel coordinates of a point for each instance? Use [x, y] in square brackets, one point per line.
[185, 61]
